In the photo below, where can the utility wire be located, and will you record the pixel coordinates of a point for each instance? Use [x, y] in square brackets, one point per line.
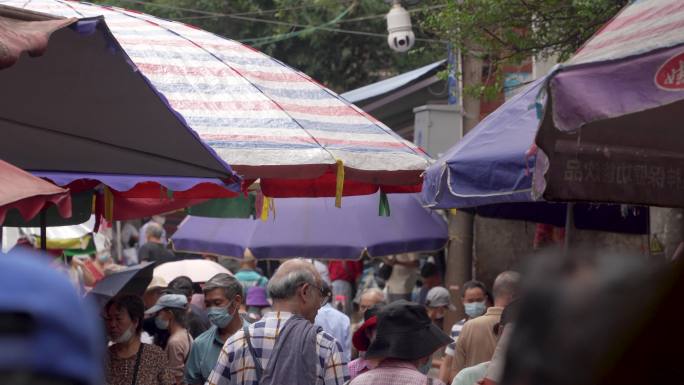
[257, 42]
[274, 22]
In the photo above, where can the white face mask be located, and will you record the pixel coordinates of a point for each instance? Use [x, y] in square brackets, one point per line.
[125, 337]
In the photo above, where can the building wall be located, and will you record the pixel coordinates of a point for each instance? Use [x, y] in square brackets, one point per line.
[502, 244]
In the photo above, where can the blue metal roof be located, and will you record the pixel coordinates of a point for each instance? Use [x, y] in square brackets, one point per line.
[391, 84]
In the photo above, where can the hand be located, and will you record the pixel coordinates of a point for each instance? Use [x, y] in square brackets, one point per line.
[75, 262]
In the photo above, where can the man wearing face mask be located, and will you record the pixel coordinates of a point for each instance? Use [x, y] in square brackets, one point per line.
[474, 299]
[222, 299]
[285, 347]
[169, 314]
[477, 341]
[405, 340]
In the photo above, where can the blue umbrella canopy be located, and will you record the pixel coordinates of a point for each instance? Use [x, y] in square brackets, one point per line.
[314, 228]
[490, 171]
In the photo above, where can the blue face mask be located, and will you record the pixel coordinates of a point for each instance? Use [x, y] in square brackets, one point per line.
[161, 323]
[219, 316]
[475, 309]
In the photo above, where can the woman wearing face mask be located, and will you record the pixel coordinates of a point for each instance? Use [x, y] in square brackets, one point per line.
[169, 314]
[129, 361]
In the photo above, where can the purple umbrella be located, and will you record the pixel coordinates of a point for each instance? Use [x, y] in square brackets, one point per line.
[314, 228]
[611, 130]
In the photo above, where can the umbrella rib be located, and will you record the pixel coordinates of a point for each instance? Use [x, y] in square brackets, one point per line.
[120, 147]
[68, 6]
[241, 75]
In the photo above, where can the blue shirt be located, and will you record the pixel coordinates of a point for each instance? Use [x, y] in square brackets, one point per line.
[337, 324]
[204, 354]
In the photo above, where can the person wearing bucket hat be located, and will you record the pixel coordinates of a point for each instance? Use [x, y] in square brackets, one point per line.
[169, 314]
[361, 340]
[257, 303]
[405, 340]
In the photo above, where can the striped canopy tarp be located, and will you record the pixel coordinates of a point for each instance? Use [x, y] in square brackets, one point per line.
[611, 130]
[265, 119]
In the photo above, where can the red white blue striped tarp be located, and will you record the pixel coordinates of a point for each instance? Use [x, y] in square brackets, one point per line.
[642, 26]
[262, 117]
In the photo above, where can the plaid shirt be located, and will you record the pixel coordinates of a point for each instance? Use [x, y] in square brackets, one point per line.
[235, 365]
[392, 372]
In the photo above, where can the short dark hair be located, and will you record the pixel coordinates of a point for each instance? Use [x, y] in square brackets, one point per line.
[179, 315]
[132, 304]
[429, 269]
[182, 285]
[474, 285]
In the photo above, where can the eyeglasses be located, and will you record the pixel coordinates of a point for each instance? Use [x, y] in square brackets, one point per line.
[324, 293]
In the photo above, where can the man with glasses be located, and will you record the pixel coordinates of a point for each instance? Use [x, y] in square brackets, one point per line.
[285, 347]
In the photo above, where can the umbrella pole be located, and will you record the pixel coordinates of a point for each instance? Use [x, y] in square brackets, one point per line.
[43, 230]
[118, 241]
[569, 226]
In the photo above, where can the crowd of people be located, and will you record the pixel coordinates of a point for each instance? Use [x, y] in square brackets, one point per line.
[289, 327]
[373, 321]
[333, 322]
[310, 322]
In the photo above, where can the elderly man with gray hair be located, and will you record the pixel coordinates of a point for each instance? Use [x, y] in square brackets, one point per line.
[285, 347]
[222, 298]
[155, 250]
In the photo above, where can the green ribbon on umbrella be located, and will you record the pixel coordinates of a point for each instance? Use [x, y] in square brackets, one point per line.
[384, 208]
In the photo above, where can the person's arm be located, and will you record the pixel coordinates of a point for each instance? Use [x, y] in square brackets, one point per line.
[460, 351]
[347, 343]
[445, 369]
[336, 371]
[176, 356]
[88, 279]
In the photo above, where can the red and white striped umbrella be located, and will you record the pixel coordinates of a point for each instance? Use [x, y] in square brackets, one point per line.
[265, 119]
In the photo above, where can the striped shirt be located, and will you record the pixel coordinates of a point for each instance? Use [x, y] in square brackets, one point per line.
[235, 365]
[455, 332]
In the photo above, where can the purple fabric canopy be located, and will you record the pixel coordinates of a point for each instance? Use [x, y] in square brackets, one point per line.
[611, 129]
[314, 228]
[121, 182]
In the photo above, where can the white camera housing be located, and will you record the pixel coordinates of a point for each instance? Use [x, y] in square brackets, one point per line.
[400, 37]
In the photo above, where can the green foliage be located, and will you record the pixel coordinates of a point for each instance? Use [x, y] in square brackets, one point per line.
[302, 34]
[515, 30]
[512, 31]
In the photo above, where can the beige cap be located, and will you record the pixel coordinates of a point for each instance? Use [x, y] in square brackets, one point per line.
[157, 282]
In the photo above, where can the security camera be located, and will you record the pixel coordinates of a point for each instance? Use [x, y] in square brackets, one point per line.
[400, 37]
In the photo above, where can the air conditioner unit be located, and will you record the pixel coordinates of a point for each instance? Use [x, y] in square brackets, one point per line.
[437, 127]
